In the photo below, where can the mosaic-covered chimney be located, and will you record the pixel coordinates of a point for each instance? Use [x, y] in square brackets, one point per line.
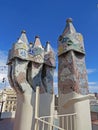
[48, 68]
[72, 75]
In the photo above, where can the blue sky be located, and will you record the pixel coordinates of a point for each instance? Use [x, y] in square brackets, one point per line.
[46, 18]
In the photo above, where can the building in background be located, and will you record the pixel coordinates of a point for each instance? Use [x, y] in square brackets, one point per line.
[8, 101]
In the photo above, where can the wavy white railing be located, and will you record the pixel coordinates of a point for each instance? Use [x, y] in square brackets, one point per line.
[61, 122]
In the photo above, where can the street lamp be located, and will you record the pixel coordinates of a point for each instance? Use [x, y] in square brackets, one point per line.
[4, 81]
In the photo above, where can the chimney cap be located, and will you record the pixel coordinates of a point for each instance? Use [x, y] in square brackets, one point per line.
[23, 31]
[48, 42]
[37, 36]
[69, 20]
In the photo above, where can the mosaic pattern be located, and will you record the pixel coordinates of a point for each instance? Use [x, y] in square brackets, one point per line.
[48, 68]
[81, 74]
[26, 66]
[71, 42]
[19, 75]
[34, 76]
[72, 74]
[36, 53]
[47, 78]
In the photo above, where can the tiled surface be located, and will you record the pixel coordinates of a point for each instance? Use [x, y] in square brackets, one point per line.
[27, 63]
[72, 75]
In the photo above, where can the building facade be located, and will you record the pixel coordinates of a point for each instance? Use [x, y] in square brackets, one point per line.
[9, 100]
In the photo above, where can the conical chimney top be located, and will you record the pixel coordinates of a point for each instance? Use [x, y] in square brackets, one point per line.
[69, 28]
[37, 42]
[48, 47]
[23, 31]
[23, 38]
[37, 36]
[69, 20]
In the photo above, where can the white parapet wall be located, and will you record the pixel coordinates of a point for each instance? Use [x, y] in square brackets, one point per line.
[46, 108]
[79, 104]
[25, 113]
